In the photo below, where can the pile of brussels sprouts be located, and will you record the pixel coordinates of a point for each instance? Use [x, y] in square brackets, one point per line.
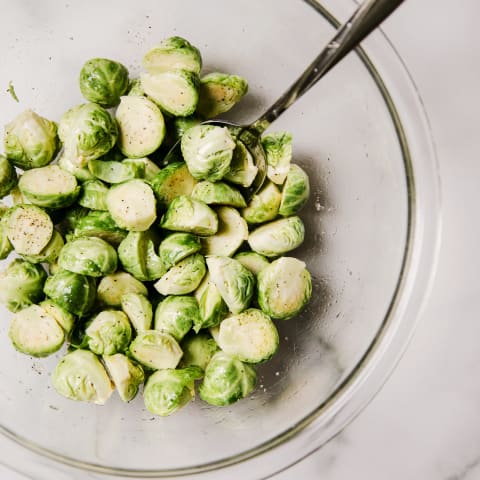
[161, 274]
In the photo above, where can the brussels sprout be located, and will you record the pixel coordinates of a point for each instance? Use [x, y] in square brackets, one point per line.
[278, 153]
[208, 151]
[218, 193]
[50, 253]
[198, 350]
[8, 176]
[135, 88]
[276, 238]
[70, 217]
[93, 195]
[173, 53]
[232, 231]
[30, 140]
[109, 332]
[234, 282]
[132, 205]
[29, 229]
[295, 192]
[175, 315]
[150, 169]
[87, 131]
[68, 164]
[182, 124]
[138, 309]
[112, 288]
[21, 284]
[126, 375]
[219, 92]
[173, 181]
[115, 172]
[226, 380]
[5, 246]
[142, 127]
[284, 288]
[184, 277]
[64, 318]
[99, 224]
[177, 246]
[89, 256]
[264, 205]
[49, 187]
[242, 167]
[71, 291]
[212, 308]
[81, 376]
[250, 336]
[34, 332]
[156, 350]
[185, 214]
[166, 391]
[138, 257]
[253, 261]
[175, 91]
[103, 81]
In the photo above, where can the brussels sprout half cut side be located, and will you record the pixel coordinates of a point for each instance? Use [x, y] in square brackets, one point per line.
[278, 153]
[211, 306]
[138, 309]
[126, 375]
[113, 287]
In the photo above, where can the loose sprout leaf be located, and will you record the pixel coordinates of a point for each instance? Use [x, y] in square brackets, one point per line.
[11, 91]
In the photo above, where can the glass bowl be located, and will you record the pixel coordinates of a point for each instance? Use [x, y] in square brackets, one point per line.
[372, 234]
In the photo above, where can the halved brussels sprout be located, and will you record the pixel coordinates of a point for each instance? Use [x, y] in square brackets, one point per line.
[93, 195]
[242, 168]
[8, 176]
[88, 132]
[185, 214]
[218, 193]
[226, 380]
[198, 350]
[21, 284]
[219, 92]
[150, 169]
[113, 287]
[109, 332]
[103, 81]
[173, 53]
[184, 277]
[99, 224]
[49, 187]
[89, 256]
[284, 288]
[141, 124]
[156, 350]
[69, 164]
[253, 261]
[175, 315]
[173, 181]
[166, 391]
[64, 318]
[50, 253]
[232, 232]
[34, 332]
[212, 308]
[250, 336]
[139, 311]
[177, 246]
[208, 151]
[264, 205]
[81, 376]
[111, 171]
[234, 282]
[295, 192]
[126, 375]
[182, 124]
[276, 238]
[72, 291]
[132, 205]
[174, 91]
[30, 140]
[278, 153]
[29, 229]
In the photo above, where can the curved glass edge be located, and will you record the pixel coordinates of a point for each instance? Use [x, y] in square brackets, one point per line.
[388, 346]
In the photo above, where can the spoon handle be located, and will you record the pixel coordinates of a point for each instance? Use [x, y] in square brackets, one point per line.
[369, 15]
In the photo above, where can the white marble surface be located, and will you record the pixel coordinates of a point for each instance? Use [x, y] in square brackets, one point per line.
[425, 423]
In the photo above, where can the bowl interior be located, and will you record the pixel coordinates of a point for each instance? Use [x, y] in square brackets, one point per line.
[356, 219]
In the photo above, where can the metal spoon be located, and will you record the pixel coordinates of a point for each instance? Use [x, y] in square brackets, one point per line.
[368, 16]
